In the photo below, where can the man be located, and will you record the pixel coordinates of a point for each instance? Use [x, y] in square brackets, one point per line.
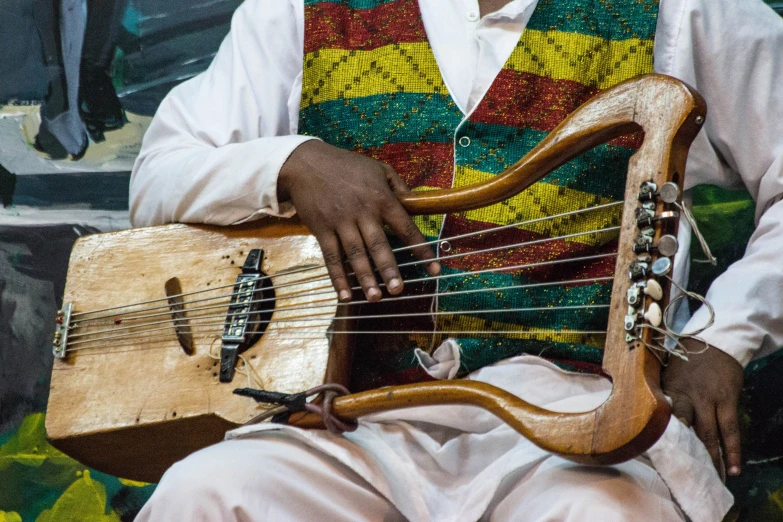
[229, 147]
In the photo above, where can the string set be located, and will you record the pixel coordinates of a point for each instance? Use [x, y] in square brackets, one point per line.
[325, 279]
[124, 326]
[328, 306]
[311, 326]
[310, 268]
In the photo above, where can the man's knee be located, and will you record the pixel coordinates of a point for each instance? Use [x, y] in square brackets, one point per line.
[219, 479]
[560, 490]
[266, 478]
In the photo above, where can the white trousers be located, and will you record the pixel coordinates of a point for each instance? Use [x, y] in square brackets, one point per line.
[442, 463]
[275, 477]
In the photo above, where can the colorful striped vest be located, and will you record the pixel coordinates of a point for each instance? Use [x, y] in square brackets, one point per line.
[371, 84]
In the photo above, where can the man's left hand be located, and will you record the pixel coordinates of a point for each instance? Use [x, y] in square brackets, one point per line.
[705, 393]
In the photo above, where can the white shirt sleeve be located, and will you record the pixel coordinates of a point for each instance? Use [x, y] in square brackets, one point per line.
[216, 145]
[732, 53]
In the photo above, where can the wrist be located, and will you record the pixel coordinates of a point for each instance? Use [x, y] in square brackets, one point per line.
[299, 161]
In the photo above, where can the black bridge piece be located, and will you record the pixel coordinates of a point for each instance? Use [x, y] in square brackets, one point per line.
[249, 312]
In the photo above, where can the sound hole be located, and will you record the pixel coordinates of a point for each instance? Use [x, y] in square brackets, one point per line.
[261, 310]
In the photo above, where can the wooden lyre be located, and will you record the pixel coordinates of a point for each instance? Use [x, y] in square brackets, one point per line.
[141, 402]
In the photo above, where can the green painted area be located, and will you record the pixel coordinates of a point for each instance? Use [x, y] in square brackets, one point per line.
[726, 219]
[39, 483]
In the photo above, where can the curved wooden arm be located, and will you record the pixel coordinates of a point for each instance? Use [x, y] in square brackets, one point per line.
[567, 434]
[608, 115]
[636, 413]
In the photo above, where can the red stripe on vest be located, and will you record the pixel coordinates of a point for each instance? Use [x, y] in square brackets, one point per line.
[538, 103]
[334, 26]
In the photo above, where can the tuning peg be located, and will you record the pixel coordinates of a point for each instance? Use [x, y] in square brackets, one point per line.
[667, 245]
[662, 266]
[654, 315]
[653, 289]
[669, 192]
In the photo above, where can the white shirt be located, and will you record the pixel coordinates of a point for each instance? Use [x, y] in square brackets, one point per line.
[214, 150]
[213, 153]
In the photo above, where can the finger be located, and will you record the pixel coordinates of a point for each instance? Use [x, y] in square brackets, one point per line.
[730, 433]
[682, 408]
[404, 228]
[382, 255]
[396, 183]
[353, 245]
[706, 427]
[333, 258]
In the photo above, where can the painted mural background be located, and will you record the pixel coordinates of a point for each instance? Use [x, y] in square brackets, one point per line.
[67, 143]
[59, 93]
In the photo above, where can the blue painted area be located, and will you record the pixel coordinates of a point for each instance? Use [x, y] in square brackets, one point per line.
[130, 21]
[22, 72]
[94, 190]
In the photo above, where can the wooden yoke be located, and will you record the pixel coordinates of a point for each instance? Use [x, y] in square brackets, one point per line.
[636, 413]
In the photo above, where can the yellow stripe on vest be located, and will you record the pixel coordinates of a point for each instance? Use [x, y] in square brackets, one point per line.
[412, 67]
[542, 200]
[574, 57]
[386, 70]
[465, 323]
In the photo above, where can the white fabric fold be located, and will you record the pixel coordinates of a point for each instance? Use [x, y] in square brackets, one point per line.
[444, 361]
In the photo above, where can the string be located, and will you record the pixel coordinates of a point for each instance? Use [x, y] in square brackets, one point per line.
[462, 274]
[679, 349]
[322, 331]
[401, 265]
[705, 248]
[309, 318]
[304, 269]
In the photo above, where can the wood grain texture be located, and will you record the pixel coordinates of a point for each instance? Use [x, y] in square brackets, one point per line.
[137, 404]
[144, 380]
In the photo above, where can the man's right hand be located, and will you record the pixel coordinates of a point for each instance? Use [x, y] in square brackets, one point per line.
[345, 199]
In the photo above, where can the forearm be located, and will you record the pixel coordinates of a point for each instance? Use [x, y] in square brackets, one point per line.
[218, 141]
[177, 179]
[734, 67]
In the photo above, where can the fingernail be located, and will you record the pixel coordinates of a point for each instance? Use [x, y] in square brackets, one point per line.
[433, 269]
[394, 284]
[373, 293]
[344, 295]
[734, 471]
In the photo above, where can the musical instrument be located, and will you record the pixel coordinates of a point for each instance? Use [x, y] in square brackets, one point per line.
[137, 386]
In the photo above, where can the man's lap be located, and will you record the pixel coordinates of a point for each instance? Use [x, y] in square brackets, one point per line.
[276, 477]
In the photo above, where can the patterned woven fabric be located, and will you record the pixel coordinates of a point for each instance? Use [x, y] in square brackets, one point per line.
[371, 84]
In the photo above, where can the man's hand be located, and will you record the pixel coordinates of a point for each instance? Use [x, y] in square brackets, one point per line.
[705, 391]
[344, 199]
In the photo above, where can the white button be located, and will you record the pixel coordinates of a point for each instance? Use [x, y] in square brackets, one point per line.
[472, 16]
[464, 141]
